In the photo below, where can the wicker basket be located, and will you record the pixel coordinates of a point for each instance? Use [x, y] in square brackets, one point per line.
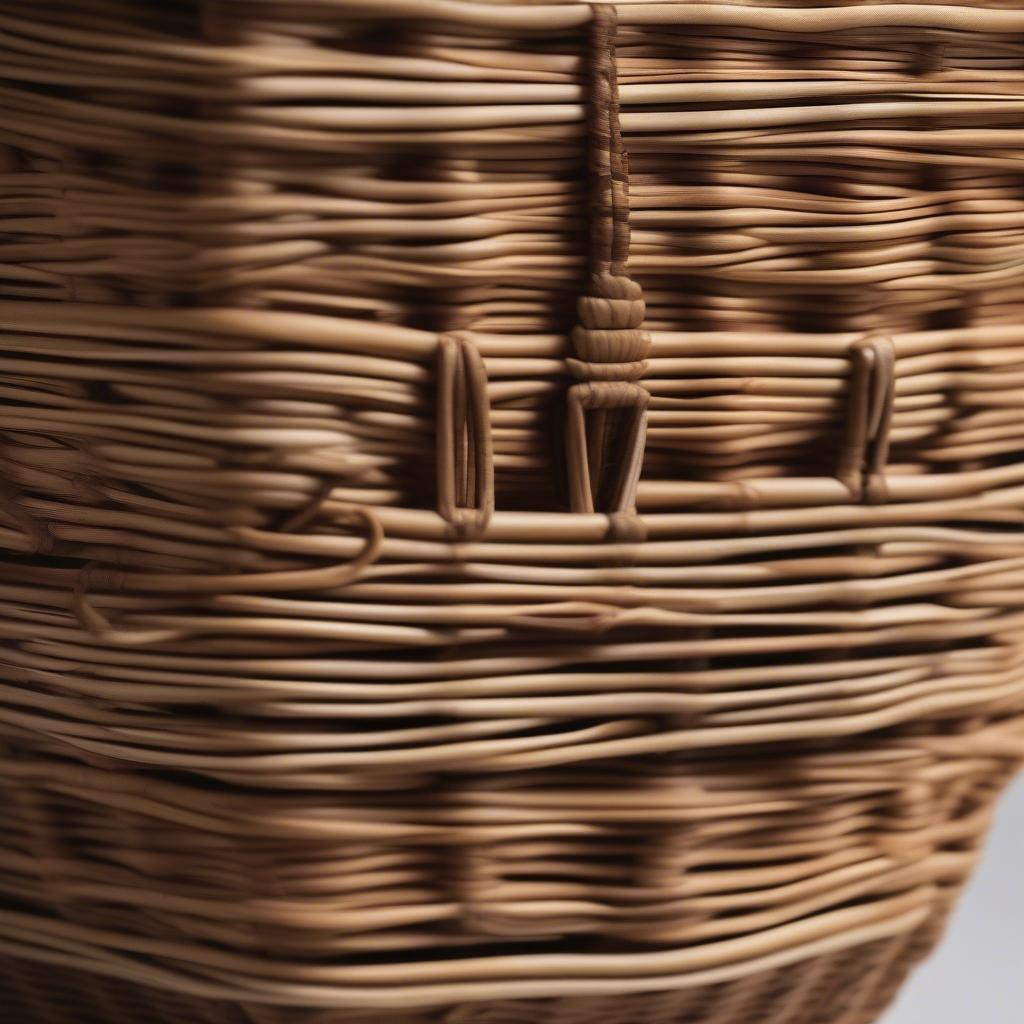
[424, 600]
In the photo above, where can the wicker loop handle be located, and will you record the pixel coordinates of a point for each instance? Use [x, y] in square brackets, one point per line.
[605, 450]
[620, 408]
[465, 452]
[865, 448]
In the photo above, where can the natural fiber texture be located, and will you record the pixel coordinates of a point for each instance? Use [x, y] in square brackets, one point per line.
[512, 512]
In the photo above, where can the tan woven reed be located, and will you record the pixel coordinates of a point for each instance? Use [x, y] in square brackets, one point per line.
[456, 573]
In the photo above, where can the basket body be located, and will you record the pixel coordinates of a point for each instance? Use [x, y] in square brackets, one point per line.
[847, 987]
[512, 511]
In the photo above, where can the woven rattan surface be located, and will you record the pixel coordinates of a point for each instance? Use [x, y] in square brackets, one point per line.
[849, 987]
[511, 512]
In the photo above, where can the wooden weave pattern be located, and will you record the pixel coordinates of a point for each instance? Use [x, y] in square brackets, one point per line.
[511, 512]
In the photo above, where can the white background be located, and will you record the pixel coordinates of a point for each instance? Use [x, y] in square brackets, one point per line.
[977, 974]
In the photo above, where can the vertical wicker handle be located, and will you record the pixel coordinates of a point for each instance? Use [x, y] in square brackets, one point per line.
[465, 456]
[607, 410]
[865, 447]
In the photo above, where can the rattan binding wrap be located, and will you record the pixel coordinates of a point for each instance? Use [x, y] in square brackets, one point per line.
[511, 512]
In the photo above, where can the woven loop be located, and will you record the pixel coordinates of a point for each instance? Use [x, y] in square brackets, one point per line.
[465, 454]
[865, 448]
[620, 408]
[605, 451]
